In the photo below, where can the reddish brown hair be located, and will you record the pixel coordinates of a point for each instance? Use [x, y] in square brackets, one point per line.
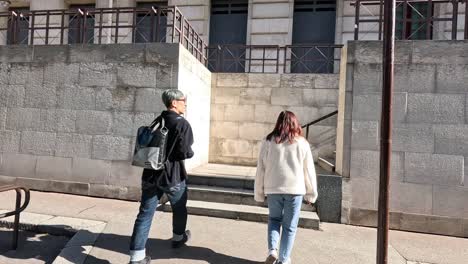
[286, 129]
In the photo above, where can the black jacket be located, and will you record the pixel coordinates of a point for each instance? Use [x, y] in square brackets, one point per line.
[180, 140]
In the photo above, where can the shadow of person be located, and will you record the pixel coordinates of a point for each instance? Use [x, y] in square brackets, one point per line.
[38, 246]
[160, 249]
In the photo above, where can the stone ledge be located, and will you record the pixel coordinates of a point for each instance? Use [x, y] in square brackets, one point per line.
[82, 232]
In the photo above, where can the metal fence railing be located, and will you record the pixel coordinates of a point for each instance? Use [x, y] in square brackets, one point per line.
[415, 19]
[313, 58]
[101, 26]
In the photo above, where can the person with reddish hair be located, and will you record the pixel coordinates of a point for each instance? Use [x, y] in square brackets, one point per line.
[286, 175]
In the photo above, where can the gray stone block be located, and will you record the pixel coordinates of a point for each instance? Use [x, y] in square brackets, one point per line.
[411, 198]
[367, 78]
[86, 53]
[69, 187]
[120, 98]
[142, 119]
[66, 120]
[124, 174]
[365, 135]
[329, 201]
[264, 80]
[7, 180]
[451, 139]
[262, 113]
[50, 53]
[415, 78]
[366, 164]
[367, 107]
[21, 119]
[18, 165]
[364, 192]
[296, 81]
[135, 75]
[434, 169]
[440, 52]
[320, 97]
[62, 73]
[54, 168]
[166, 77]
[117, 192]
[149, 100]
[327, 81]
[122, 124]
[89, 170]
[232, 80]
[162, 54]
[41, 96]
[287, 96]
[73, 145]
[5, 69]
[98, 74]
[450, 201]
[452, 78]
[16, 53]
[9, 141]
[75, 97]
[111, 148]
[25, 73]
[34, 184]
[436, 108]
[93, 122]
[413, 138]
[12, 95]
[3, 117]
[371, 52]
[253, 96]
[37, 143]
[229, 95]
[125, 53]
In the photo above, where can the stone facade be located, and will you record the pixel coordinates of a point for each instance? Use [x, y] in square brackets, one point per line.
[67, 124]
[244, 109]
[429, 189]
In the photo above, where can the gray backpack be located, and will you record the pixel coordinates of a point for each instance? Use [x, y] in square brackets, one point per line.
[150, 145]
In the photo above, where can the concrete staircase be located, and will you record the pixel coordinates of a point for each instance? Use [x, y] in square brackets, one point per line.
[226, 191]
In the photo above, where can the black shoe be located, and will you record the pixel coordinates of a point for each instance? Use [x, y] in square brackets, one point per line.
[179, 243]
[146, 260]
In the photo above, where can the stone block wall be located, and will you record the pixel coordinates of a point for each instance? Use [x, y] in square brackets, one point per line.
[429, 187]
[69, 114]
[244, 109]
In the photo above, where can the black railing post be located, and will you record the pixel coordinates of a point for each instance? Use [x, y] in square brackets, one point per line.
[455, 19]
[32, 26]
[356, 20]
[47, 27]
[466, 19]
[429, 20]
[386, 132]
[117, 26]
[16, 221]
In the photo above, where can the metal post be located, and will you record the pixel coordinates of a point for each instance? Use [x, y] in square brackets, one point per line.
[117, 26]
[47, 28]
[386, 131]
[16, 223]
[466, 19]
[429, 20]
[356, 20]
[33, 16]
[62, 26]
[454, 19]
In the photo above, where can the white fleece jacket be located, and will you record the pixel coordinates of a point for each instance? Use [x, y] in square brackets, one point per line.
[286, 169]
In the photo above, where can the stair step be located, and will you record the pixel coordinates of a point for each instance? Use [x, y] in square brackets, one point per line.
[221, 180]
[327, 164]
[230, 196]
[242, 212]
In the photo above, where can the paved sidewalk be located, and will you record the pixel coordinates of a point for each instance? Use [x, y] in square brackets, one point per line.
[223, 241]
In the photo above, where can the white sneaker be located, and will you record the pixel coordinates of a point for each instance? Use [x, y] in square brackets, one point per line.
[272, 257]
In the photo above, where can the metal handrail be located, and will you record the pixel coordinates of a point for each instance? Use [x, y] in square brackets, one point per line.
[18, 209]
[306, 126]
[428, 19]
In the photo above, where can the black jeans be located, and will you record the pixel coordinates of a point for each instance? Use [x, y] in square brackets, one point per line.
[149, 201]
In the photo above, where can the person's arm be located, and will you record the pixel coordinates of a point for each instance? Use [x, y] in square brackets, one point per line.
[184, 140]
[310, 177]
[259, 192]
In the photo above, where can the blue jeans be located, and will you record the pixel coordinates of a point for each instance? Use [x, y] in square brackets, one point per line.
[284, 212]
[149, 201]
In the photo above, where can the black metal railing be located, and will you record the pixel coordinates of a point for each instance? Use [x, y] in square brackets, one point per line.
[313, 58]
[307, 126]
[415, 19]
[103, 26]
[18, 209]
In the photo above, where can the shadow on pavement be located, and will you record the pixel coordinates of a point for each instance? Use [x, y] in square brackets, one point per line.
[158, 249]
